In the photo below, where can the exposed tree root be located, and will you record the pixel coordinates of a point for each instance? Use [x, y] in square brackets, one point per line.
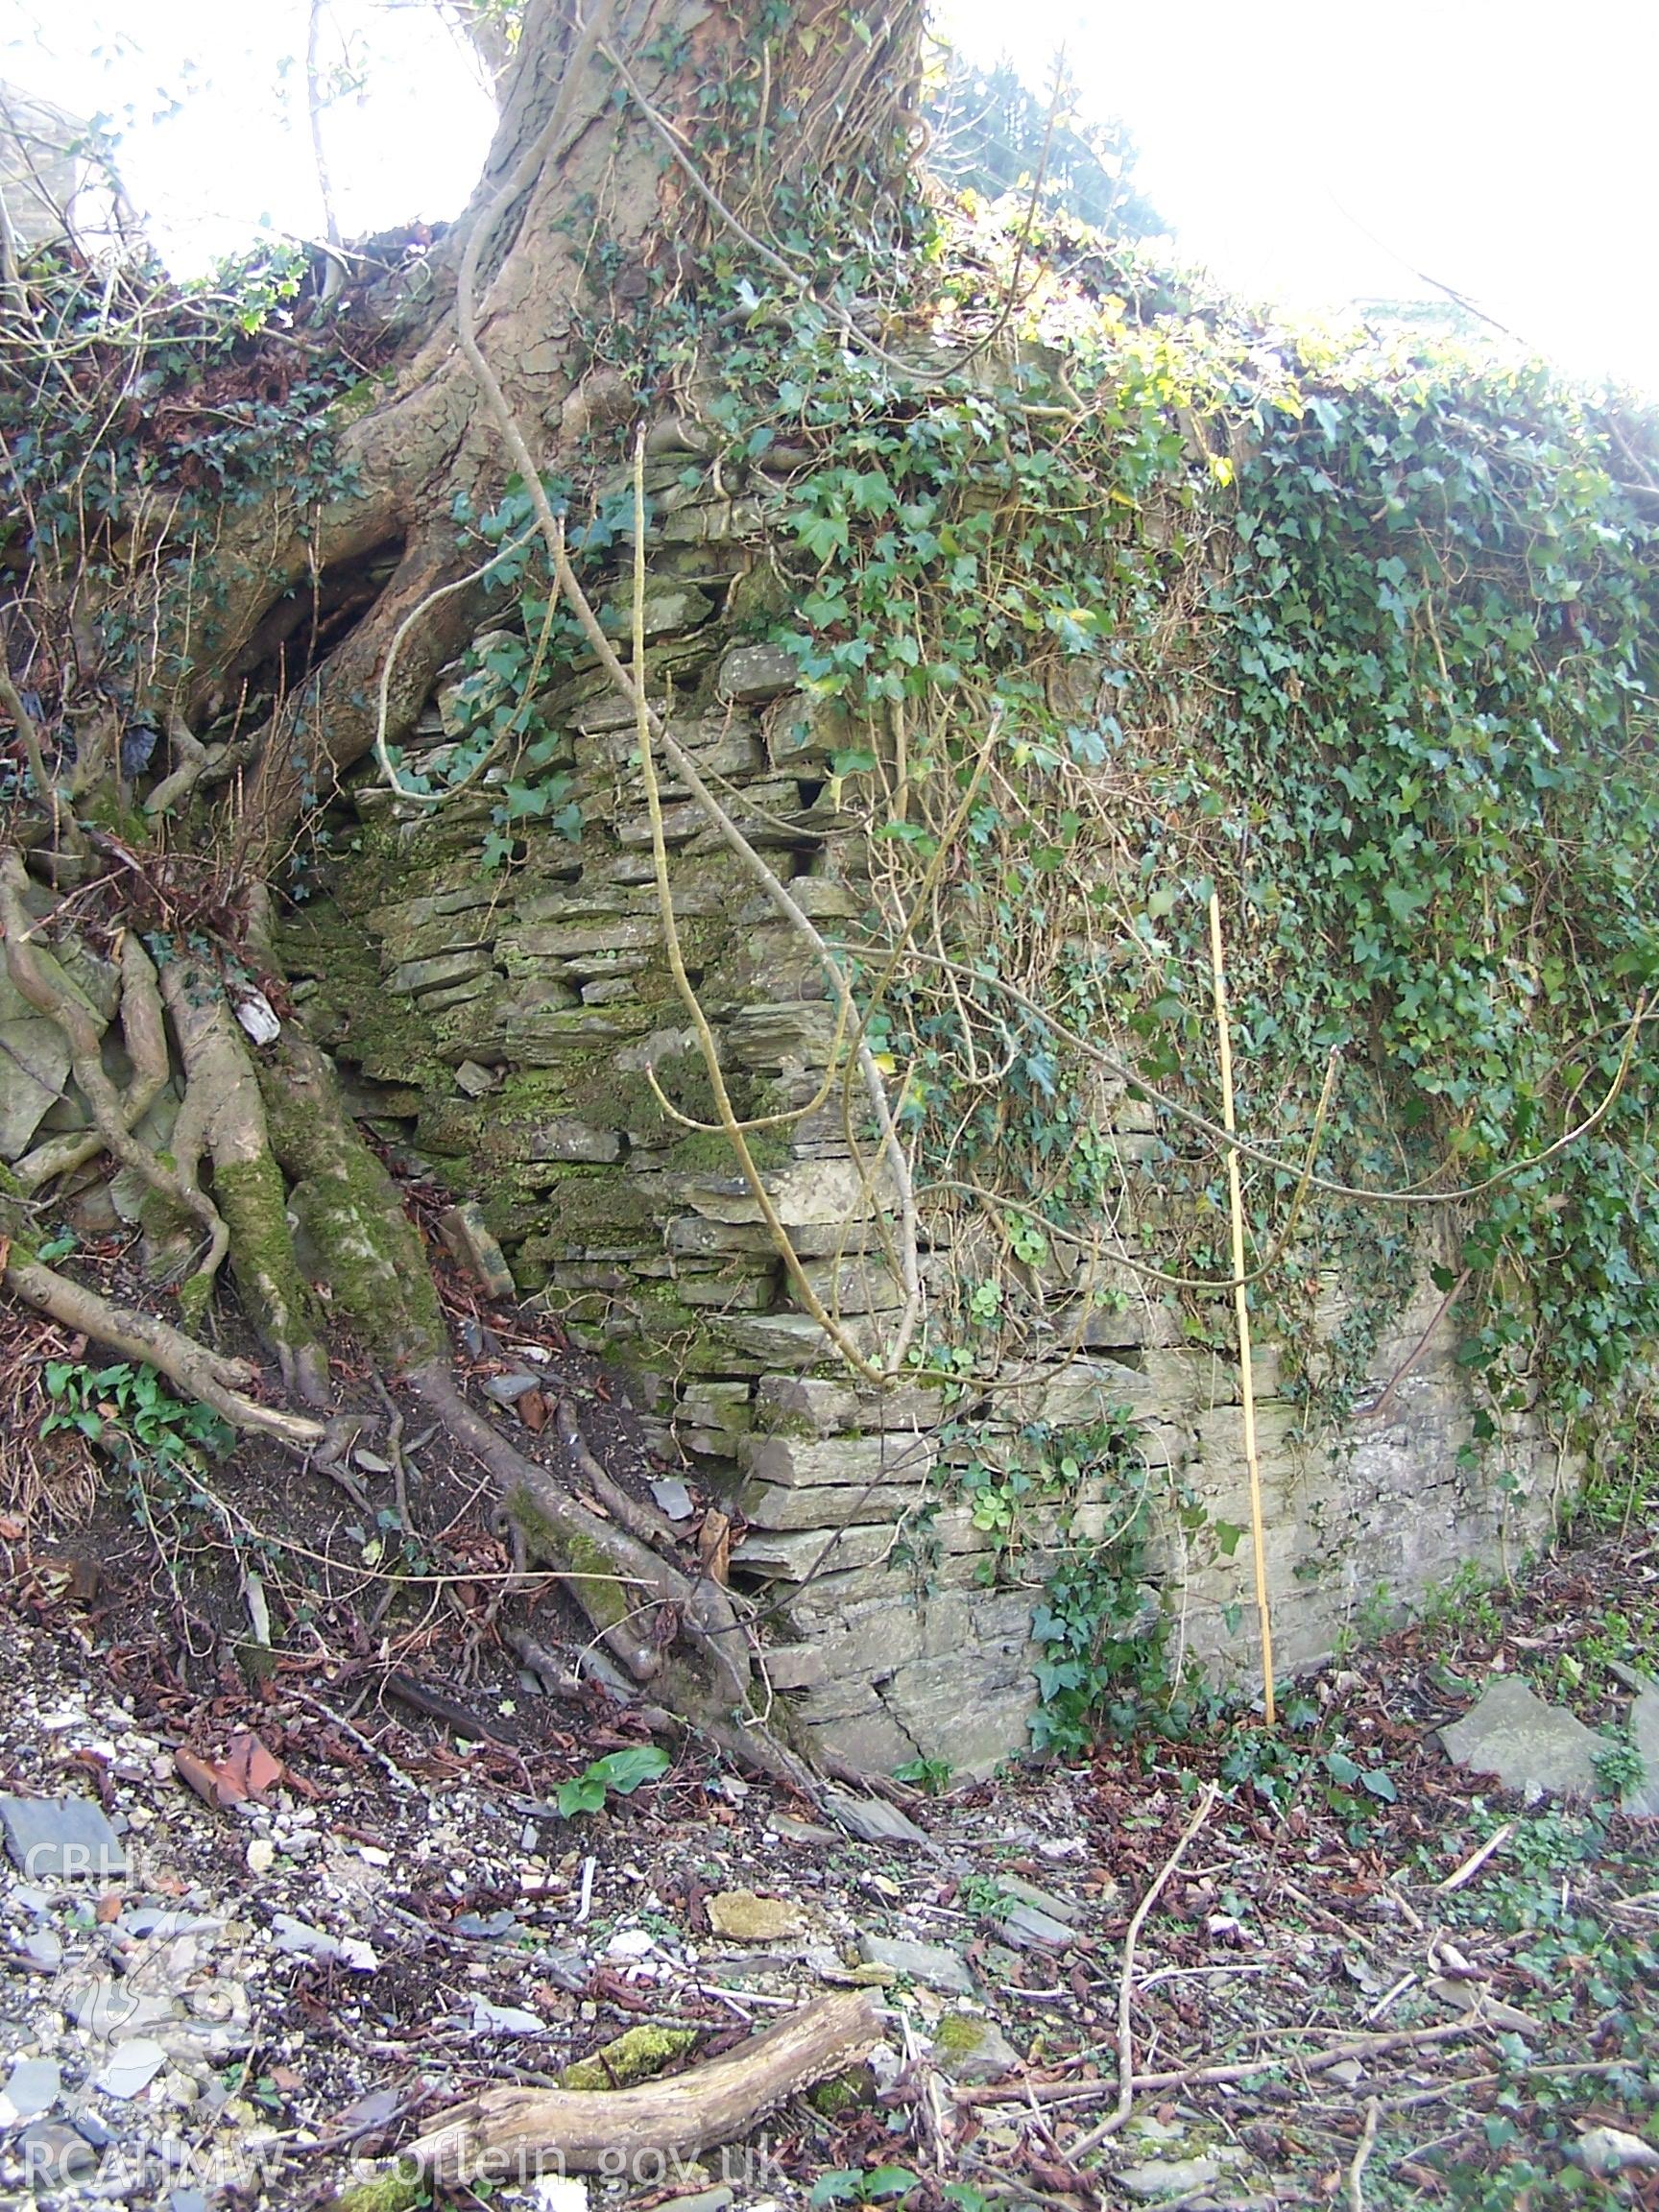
[145, 1037]
[199, 1373]
[753, 1749]
[371, 1256]
[280, 1113]
[511, 2131]
[191, 761]
[757, 1750]
[617, 1580]
[196, 765]
[639, 1520]
[46, 792]
[38, 977]
[224, 1116]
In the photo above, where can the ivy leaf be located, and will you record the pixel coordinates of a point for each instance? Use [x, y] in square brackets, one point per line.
[887, 2182]
[823, 535]
[625, 1771]
[526, 800]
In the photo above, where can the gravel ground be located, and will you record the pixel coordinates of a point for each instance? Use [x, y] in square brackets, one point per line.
[337, 1915]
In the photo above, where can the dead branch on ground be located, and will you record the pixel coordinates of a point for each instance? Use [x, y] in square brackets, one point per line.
[584, 2132]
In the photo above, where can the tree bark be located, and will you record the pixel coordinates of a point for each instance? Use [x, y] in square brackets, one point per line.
[614, 117]
[224, 1117]
[514, 2132]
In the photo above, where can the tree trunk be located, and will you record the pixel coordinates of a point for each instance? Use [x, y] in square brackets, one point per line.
[585, 219]
[586, 142]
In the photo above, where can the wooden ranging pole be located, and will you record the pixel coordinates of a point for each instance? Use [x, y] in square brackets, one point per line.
[1242, 1311]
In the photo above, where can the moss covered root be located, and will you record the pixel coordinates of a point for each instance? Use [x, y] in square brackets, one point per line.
[593, 1580]
[252, 1196]
[350, 1207]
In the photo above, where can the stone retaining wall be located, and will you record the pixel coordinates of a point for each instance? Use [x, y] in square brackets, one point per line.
[502, 1027]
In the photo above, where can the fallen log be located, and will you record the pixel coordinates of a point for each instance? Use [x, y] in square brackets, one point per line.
[630, 2133]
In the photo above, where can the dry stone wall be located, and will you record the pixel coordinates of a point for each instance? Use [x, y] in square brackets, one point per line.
[501, 1025]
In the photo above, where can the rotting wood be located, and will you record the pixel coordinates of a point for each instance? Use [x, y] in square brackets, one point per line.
[514, 2132]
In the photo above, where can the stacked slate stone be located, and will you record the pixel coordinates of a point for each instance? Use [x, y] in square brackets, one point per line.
[508, 1027]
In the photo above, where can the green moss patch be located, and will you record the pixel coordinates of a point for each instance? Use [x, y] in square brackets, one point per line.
[636, 2055]
[400, 2188]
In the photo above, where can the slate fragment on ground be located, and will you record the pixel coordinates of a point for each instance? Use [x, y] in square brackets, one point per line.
[872, 1820]
[62, 1839]
[1528, 1746]
[1641, 1801]
[934, 1965]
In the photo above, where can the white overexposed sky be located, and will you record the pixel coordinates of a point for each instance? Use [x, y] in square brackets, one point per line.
[1311, 155]
[1319, 151]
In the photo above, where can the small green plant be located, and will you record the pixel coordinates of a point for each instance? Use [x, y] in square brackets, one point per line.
[1620, 1769]
[264, 2091]
[1600, 1659]
[1309, 1757]
[984, 1894]
[1104, 1650]
[128, 1412]
[1465, 1604]
[847, 2186]
[619, 1773]
[931, 1774]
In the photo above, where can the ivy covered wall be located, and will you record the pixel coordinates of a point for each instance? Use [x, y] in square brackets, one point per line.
[1002, 686]
[1012, 597]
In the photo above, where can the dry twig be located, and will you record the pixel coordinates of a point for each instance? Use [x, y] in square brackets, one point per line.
[1120, 2112]
[1368, 2139]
